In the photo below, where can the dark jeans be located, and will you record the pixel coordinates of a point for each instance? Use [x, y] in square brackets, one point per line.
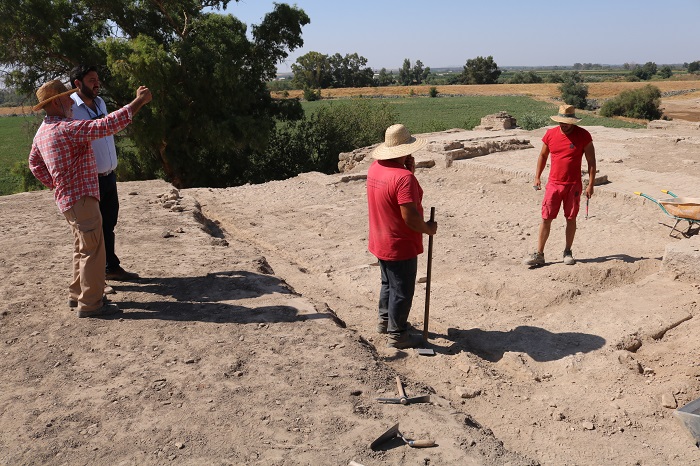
[109, 208]
[396, 293]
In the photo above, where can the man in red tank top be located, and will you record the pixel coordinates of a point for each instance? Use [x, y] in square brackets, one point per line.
[567, 144]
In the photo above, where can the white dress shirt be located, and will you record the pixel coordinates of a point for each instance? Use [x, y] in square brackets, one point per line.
[105, 152]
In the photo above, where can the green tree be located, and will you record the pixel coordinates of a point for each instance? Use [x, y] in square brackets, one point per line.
[694, 67]
[419, 72]
[480, 70]
[312, 71]
[665, 72]
[573, 91]
[405, 74]
[384, 78]
[350, 71]
[646, 71]
[636, 103]
[211, 109]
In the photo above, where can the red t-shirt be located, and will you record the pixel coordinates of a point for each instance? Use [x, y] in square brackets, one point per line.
[389, 185]
[566, 152]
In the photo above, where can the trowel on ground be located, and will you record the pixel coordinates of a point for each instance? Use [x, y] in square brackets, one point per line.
[395, 433]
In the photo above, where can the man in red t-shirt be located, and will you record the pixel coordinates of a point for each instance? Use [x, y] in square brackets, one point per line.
[568, 144]
[396, 226]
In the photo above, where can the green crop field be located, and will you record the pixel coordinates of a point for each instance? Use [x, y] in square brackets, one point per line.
[16, 133]
[425, 114]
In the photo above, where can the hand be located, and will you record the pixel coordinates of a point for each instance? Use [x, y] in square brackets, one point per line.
[432, 227]
[589, 191]
[143, 94]
[537, 184]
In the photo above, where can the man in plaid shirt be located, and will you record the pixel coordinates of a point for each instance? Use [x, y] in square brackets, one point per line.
[62, 159]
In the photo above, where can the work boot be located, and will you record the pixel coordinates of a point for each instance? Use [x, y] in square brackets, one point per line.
[107, 309]
[74, 302]
[537, 258]
[121, 275]
[568, 257]
[403, 340]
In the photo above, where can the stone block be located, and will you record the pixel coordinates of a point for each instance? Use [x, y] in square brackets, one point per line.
[682, 259]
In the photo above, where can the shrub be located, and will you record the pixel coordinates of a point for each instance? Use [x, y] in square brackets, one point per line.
[310, 95]
[522, 77]
[554, 77]
[433, 92]
[532, 120]
[574, 93]
[637, 103]
[29, 182]
[314, 142]
[665, 72]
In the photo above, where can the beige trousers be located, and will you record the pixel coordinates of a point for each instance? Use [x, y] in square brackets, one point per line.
[89, 256]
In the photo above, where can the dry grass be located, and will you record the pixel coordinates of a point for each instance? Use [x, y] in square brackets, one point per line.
[15, 111]
[604, 90]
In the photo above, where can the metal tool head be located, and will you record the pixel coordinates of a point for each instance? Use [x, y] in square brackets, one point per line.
[406, 400]
[386, 436]
[395, 401]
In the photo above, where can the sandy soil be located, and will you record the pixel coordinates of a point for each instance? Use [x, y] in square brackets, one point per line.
[250, 336]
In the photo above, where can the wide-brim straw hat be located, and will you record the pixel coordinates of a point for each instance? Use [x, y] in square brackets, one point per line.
[398, 142]
[567, 114]
[50, 91]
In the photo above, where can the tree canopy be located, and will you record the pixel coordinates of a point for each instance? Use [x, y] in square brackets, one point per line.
[211, 111]
[480, 70]
[315, 70]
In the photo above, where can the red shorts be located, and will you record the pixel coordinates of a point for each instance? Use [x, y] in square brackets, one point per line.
[555, 194]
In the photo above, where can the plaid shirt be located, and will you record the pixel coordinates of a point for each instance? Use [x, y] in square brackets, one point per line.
[62, 157]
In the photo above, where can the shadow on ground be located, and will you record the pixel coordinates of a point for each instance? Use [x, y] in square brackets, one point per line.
[209, 299]
[540, 344]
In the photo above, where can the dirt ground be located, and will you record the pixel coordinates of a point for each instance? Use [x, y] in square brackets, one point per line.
[250, 336]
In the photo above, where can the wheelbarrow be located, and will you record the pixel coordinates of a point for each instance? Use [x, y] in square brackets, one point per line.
[680, 209]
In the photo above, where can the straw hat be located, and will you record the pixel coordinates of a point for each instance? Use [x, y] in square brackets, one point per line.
[398, 142]
[50, 91]
[567, 114]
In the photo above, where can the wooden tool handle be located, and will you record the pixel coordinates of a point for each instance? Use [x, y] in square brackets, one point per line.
[426, 315]
[399, 387]
[421, 443]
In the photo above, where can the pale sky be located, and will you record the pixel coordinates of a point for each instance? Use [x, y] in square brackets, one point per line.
[445, 33]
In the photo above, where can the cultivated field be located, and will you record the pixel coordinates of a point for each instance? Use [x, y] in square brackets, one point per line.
[604, 90]
[548, 92]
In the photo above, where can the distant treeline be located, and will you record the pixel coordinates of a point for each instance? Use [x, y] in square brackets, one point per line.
[314, 71]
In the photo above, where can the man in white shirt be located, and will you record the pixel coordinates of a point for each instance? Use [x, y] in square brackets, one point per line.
[87, 105]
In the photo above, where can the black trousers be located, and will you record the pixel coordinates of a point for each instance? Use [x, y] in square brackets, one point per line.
[109, 208]
[396, 292]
